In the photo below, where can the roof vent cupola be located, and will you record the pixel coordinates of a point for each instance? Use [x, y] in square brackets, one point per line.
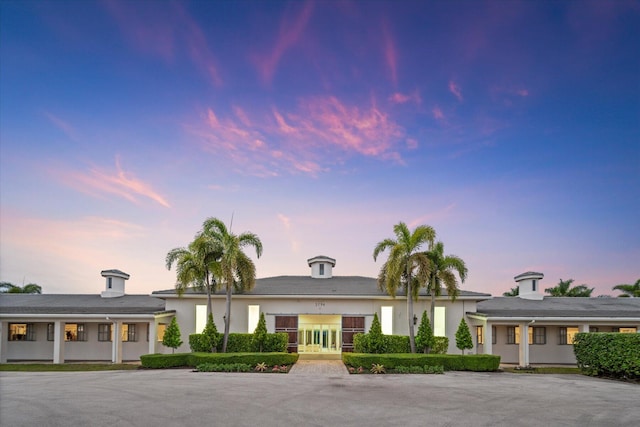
[529, 285]
[114, 284]
[321, 267]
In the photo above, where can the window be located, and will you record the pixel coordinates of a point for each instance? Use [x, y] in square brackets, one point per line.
[109, 282]
[439, 329]
[51, 330]
[22, 332]
[386, 320]
[321, 269]
[74, 332]
[494, 335]
[479, 334]
[534, 284]
[539, 335]
[104, 332]
[593, 329]
[254, 317]
[160, 331]
[513, 335]
[567, 335]
[201, 318]
[129, 332]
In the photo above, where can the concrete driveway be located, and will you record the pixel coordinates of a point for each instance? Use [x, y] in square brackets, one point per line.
[312, 398]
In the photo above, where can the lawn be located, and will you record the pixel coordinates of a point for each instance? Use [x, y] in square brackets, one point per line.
[66, 367]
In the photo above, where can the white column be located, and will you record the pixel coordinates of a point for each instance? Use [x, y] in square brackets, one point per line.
[584, 328]
[488, 338]
[152, 336]
[4, 330]
[58, 341]
[524, 345]
[116, 349]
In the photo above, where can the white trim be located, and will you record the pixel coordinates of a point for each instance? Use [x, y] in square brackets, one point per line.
[555, 319]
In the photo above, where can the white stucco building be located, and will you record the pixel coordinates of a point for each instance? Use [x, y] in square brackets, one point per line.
[321, 312]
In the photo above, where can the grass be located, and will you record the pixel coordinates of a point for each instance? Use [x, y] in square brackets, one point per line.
[545, 370]
[66, 367]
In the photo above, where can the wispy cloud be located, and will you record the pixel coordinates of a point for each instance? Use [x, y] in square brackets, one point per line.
[286, 223]
[292, 25]
[165, 32]
[119, 182]
[64, 126]
[401, 98]
[390, 54]
[437, 113]
[456, 90]
[303, 140]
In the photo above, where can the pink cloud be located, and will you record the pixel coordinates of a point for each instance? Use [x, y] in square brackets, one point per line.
[165, 32]
[390, 54]
[522, 92]
[401, 98]
[456, 90]
[437, 113]
[65, 127]
[291, 29]
[412, 144]
[120, 183]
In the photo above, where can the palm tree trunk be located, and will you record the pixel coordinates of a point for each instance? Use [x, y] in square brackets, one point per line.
[209, 303]
[412, 338]
[227, 320]
[433, 311]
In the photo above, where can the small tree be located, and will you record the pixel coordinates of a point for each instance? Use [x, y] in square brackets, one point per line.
[171, 337]
[463, 337]
[210, 336]
[260, 334]
[376, 343]
[424, 339]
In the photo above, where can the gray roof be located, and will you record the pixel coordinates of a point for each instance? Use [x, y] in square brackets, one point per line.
[78, 304]
[559, 307]
[307, 286]
[528, 273]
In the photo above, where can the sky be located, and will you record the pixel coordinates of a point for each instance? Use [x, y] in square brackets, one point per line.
[512, 128]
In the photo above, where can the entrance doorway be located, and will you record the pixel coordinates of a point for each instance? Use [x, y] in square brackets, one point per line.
[319, 333]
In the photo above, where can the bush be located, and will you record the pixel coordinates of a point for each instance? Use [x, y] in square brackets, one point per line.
[424, 338]
[223, 367]
[449, 362]
[463, 337]
[159, 361]
[440, 345]
[258, 342]
[210, 338]
[277, 342]
[241, 343]
[172, 337]
[396, 344]
[375, 337]
[361, 343]
[608, 354]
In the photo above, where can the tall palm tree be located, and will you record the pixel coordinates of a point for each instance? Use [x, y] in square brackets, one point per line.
[406, 267]
[442, 271]
[564, 289]
[196, 266]
[236, 270]
[629, 290]
[10, 288]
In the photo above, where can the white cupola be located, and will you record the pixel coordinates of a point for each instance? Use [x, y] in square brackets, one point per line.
[321, 266]
[529, 286]
[114, 284]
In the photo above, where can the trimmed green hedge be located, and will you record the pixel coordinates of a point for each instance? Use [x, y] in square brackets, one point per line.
[195, 359]
[243, 343]
[608, 354]
[450, 362]
[396, 344]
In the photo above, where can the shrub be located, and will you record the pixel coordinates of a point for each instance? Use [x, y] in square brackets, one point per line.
[258, 341]
[277, 342]
[171, 336]
[608, 354]
[376, 343]
[440, 345]
[159, 361]
[449, 362]
[223, 367]
[210, 338]
[396, 344]
[409, 370]
[463, 337]
[377, 368]
[424, 338]
[361, 343]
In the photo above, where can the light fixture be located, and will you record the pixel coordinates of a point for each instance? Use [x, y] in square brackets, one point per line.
[415, 319]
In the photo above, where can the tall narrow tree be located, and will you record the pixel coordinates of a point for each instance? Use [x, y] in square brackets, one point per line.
[442, 271]
[236, 270]
[406, 267]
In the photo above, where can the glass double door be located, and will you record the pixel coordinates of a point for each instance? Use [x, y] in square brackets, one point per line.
[316, 335]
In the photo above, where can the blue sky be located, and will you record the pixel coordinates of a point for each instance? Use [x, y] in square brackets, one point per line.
[510, 127]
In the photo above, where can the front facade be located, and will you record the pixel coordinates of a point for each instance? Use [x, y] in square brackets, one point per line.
[550, 323]
[320, 312]
[111, 326]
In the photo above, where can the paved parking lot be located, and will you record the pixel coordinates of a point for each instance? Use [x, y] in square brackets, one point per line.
[312, 397]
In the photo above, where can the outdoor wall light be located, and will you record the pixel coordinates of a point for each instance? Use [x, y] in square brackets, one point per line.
[415, 319]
